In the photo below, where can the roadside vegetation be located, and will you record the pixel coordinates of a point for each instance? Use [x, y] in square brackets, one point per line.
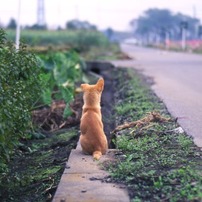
[192, 46]
[37, 123]
[40, 107]
[78, 39]
[20, 88]
[157, 160]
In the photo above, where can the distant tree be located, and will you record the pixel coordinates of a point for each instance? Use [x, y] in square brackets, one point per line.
[36, 27]
[156, 23]
[199, 31]
[73, 25]
[77, 24]
[12, 24]
[154, 19]
[190, 24]
[59, 28]
[1, 25]
[109, 33]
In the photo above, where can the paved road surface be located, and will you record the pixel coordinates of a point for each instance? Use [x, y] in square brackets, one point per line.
[178, 82]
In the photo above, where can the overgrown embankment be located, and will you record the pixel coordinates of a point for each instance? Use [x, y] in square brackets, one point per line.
[157, 160]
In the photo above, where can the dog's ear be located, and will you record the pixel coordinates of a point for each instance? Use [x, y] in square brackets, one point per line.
[84, 86]
[100, 85]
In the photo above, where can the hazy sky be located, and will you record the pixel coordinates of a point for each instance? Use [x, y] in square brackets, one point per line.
[104, 13]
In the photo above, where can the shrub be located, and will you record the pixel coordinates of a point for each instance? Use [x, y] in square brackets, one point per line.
[20, 88]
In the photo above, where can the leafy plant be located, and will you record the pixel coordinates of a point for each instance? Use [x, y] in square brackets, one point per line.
[20, 88]
[62, 71]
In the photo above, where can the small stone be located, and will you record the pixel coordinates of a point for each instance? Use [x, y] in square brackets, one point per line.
[67, 167]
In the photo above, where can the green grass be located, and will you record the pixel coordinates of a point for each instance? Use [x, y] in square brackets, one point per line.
[37, 166]
[134, 100]
[156, 163]
[99, 53]
[92, 45]
[80, 40]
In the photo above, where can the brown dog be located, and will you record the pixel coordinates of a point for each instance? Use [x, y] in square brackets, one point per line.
[92, 139]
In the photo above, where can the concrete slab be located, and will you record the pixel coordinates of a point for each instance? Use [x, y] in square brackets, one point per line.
[81, 163]
[83, 181]
[84, 188]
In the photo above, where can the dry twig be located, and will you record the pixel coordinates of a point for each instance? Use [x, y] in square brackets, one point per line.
[151, 117]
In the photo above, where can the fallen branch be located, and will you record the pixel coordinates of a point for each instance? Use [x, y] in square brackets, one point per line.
[151, 117]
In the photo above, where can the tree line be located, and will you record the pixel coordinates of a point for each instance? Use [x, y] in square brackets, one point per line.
[159, 24]
[72, 25]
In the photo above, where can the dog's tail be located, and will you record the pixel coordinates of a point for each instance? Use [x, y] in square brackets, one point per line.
[97, 155]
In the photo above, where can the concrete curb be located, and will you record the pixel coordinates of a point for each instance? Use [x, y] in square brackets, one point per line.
[83, 181]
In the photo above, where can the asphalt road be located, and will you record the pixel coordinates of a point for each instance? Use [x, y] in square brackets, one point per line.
[177, 81]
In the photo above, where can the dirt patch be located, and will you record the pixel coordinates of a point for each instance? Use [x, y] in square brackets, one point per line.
[50, 119]
[38, 162]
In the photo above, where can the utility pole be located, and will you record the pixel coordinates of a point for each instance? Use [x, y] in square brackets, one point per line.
[197, 24]
[199, 31]
[184, 26]
[167, 39]
[183, 41]
[17, 38]
[77, 12]
[40, 13]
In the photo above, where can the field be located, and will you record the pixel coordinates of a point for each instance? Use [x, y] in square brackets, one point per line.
[91, 45]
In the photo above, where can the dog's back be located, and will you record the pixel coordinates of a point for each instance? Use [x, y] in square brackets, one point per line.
[93, 140]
